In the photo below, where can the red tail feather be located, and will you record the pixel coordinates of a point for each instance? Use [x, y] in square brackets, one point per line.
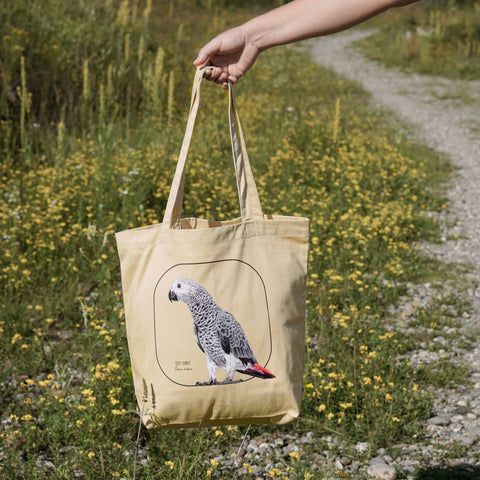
[258, 371]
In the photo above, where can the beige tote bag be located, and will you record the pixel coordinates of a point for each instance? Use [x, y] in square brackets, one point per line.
[215, 310]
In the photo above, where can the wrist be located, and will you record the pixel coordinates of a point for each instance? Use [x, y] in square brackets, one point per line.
[257, 33]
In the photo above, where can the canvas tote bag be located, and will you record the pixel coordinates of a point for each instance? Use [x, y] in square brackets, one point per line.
[215, 310]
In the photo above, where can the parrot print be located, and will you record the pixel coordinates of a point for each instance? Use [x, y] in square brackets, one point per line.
[220, 337]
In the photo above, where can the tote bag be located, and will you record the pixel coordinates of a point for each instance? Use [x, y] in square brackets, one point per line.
[215, 310]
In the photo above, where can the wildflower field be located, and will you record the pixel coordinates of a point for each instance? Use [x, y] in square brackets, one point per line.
[92, 112]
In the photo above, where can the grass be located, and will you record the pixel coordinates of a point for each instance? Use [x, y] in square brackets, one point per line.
[91, 119]
[437, 38]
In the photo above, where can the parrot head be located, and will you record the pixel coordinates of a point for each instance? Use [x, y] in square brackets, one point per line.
[184, 289]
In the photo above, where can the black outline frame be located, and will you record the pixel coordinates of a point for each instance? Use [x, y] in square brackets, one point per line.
[205, 263]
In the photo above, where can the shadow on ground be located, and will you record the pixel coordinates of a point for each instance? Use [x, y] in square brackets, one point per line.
[459, 472]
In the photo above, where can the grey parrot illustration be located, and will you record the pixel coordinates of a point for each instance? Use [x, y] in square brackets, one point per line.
[220, 337]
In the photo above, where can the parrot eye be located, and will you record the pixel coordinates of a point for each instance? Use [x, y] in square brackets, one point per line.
[179, 285]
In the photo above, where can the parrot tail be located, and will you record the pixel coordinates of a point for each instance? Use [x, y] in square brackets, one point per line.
[255, 370]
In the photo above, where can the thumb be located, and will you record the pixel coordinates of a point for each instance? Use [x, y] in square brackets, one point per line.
[208, 51]
[201, 59]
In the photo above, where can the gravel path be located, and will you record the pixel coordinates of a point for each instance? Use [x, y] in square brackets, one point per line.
[445, 115]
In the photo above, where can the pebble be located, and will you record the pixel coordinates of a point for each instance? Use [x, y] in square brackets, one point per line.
[463, 439]
[379, 469]
[439, 421]
[361, 447]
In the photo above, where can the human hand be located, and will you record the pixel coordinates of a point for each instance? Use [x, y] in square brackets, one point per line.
[231, 53]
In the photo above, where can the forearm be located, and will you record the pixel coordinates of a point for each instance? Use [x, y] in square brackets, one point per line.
[302, 19]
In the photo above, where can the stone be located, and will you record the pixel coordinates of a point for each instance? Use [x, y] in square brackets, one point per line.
[378, 469]
[361, 447]
[439, 421]
[408, 468]
[241, 452]
[355, 466]
[462, 410]
[465, 440]
[252, 447]
[279, 442]
[318, 459]
[409, 310]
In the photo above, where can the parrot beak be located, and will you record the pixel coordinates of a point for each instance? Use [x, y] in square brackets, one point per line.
[172, 296]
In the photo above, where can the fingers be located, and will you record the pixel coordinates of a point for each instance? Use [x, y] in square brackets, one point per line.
[217, 72]
[219, 76]
[224, 79]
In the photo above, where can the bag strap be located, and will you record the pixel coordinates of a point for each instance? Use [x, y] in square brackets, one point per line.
[250, 206]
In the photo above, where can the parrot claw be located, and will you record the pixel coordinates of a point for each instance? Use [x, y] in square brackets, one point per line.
[215, 382]
[208, 382]
[227, 381]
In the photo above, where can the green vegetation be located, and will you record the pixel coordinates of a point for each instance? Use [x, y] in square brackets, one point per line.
[439, 38]
[92, 113]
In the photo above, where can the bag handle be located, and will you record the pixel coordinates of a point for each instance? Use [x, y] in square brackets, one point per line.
[250, 206]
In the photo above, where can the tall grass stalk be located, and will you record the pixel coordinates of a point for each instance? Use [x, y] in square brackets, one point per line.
[127, 48]
[101, 104]
[86, 94]
[336, 120]
[24, 103]
[123, 13]
[86, 81]
[156, 82]
[60, 136]
[178, 40]
[110, 86]
[170, 99]
[141, 49]
[24, 109]
[147, 12]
